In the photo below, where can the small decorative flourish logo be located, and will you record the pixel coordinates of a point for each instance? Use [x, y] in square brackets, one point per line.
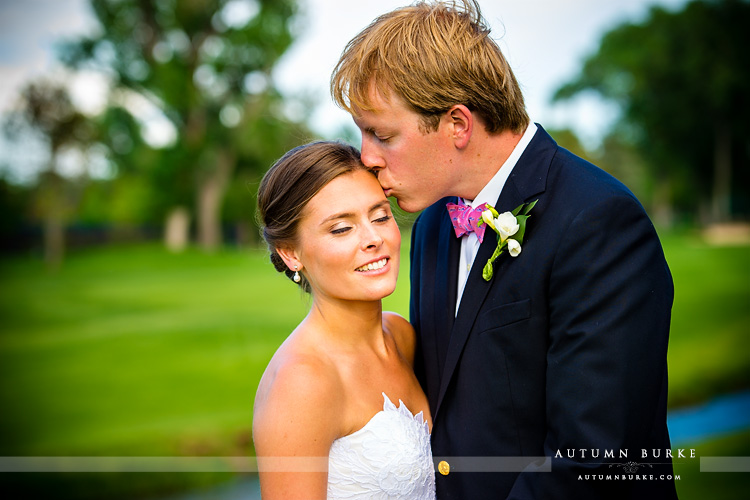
[506, 224]
[630, 467]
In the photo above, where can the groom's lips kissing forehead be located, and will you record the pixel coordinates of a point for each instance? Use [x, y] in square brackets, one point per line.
[386, 189]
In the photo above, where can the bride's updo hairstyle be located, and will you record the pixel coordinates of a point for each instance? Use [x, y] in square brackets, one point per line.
[290, 184]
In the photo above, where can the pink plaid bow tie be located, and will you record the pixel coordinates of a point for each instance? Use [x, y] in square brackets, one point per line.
[465, 219]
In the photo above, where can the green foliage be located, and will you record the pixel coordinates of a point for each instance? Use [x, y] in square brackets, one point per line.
[682, 81]
[205, 67]
[46, 110]
[122, 202]
[567, 139]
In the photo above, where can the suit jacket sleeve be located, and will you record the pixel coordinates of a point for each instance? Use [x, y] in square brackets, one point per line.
[610, 297]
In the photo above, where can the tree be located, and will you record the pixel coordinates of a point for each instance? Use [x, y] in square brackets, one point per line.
[205, 65]
[45, 110]
[682, 81]
[566, 138]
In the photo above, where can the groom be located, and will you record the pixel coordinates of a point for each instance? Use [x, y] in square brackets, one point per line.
[561, 353]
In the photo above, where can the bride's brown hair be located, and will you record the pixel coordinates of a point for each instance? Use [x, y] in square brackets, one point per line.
[290, 184]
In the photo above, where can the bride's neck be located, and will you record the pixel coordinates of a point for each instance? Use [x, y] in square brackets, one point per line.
[348, 323]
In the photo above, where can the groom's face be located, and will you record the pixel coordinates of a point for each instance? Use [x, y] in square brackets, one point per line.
[412, 165]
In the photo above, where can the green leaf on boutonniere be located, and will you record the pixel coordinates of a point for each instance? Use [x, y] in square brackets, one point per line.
[521, 228]
[505, 226]
[528, 208]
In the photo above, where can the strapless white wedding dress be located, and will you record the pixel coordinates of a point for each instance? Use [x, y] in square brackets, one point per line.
[389, 458]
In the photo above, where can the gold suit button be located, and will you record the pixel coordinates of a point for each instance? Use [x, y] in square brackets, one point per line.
[444, 467]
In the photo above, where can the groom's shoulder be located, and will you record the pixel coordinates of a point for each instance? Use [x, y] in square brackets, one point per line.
[569, 175]
[583, 182]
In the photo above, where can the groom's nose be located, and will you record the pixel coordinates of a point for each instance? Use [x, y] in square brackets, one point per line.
[370, 156]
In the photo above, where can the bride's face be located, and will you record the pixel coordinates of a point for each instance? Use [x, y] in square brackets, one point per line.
[348, 240]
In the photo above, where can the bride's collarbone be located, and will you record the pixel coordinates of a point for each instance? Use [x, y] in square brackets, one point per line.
[365, 374]
[362, 409]
[366, 379]
[364, 394]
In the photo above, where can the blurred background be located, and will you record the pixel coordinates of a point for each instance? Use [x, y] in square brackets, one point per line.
[138, 308]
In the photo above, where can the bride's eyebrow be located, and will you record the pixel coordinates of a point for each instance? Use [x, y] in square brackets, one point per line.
[348, 215]
[343, 215]
[378, 205]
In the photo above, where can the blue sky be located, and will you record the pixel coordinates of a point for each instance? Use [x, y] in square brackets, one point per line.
[28, 32]
[544, 40]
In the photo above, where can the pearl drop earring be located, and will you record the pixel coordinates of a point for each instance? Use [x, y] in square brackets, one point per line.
[296, 277]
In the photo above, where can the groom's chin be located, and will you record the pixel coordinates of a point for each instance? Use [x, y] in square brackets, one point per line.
[410, 206]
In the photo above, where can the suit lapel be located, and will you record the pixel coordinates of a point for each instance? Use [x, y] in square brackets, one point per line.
[449, 249]
[527, 180]
[444, 293]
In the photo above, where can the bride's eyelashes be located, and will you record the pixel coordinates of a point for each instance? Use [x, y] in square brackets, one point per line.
[345, 229]
[341, 230]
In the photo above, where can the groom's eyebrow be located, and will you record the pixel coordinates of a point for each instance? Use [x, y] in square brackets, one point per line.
[365, 129]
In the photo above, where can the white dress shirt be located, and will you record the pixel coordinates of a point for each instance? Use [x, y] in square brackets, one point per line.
[489, 194]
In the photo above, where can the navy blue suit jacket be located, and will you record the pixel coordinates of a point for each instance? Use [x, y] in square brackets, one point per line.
[564, 349]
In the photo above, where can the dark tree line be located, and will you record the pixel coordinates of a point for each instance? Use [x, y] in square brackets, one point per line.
[203, 67]
[682, 82]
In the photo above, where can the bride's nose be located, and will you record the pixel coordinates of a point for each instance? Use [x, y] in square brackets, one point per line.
[371, 237]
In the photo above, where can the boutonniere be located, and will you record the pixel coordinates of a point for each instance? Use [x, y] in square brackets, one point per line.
[506, 224]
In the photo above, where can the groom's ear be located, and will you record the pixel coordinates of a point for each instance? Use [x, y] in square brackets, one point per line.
[462, 123]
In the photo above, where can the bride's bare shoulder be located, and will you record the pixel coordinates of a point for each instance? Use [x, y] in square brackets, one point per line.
[297, 376]
[298, 397]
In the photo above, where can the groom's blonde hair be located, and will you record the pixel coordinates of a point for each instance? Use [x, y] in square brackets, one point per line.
[432, 55]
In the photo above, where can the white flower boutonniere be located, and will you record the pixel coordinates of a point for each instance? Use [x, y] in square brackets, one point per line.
[506, 224]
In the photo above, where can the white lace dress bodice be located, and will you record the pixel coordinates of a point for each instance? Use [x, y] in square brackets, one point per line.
[389, 458]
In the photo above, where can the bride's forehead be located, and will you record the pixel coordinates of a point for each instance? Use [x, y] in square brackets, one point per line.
[352, 192]
[351, 186]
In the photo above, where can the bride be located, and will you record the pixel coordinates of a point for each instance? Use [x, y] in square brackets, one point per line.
[339, 412]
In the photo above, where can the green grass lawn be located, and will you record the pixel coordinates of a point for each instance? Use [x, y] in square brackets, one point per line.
[136, 351]
[708, 349]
